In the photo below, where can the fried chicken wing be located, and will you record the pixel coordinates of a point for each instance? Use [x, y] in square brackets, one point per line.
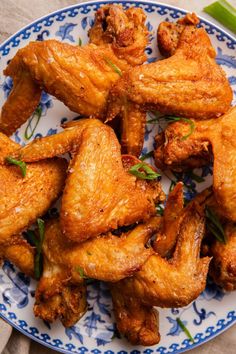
[23, 200]
[167, 237]
[58, 297]
[178, 281]
[168, 33]
[107, 257]
[223, 266]
[97, 188]
[136, 321]
[218, 135]
[80, 77]
[188, 84]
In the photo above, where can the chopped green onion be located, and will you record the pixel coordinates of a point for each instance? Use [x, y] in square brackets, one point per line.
[19, 163]
[145, 173]
[159, 209]
[214, 226]
[174, 119]
[184, 328]
[113, 66]
[146, 156]
[81, 272]
[38, 261]
[195, 177]
[80, 42]
[29, 131]
[223, 12]
[186, 120]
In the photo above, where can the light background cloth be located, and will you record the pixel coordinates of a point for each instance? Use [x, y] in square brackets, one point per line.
[15, 14]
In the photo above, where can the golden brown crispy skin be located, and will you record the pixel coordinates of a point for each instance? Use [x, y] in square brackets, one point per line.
[23, 99]
[23, 200]
[188, 84]
[80, 77]
[19, 252]
[168, 33]
[177, 282]
[223, 265]
[167, 237]
[58, 297]
[96, 166]
[136, 321]
[220, 135]
[106, 257]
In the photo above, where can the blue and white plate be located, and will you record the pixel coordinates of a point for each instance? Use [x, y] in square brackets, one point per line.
[213, 312]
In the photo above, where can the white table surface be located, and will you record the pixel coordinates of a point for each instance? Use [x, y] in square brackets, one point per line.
[15, 14]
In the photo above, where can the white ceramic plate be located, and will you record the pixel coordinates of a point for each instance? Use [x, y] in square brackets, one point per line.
[213, 312]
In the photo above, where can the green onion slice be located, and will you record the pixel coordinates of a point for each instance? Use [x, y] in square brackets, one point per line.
[146, 156]
[186, 120]
[214, 226]
[113, 66]
[19, 163]
[33, 122]
[223, 12]
[80, 42]
[184, 328]
[143, 171]
[80, 270]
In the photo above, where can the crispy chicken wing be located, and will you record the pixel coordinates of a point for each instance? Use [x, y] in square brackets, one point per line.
[97, 188]
[136, 321]
[223, 265]
[188, 84]
[23, 200]
[218, 135]
[177, 282]
[58, 297]
[80, 77]
[107, 257]
[168, 33]
[172, 217]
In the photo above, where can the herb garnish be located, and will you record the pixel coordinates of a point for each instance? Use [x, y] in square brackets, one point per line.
[19, 163]
[80, 270]
[37, 242]
[159, 209]
[29, 131]
[113, 66]
[80, 42]
[145, 173]
[146, 156]
[184, 328]
[214, 226]
[174, 119]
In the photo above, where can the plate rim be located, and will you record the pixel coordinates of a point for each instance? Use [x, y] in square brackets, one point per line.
[8, 41]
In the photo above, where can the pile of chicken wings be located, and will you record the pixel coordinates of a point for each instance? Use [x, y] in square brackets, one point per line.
[108, 227]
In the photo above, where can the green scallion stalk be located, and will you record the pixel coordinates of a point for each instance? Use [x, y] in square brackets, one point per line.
[113, 66]
[19, 163]
[223, 12]
[213, 224]
[143, 171]
[184, 328]
[146, 156]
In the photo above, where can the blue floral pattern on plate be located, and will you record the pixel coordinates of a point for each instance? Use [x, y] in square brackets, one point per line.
[96, 332]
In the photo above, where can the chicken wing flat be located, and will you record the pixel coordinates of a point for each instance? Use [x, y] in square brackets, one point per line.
[106, 257]
[23, 200]
[187, 84]
[218, 135]
[58, 297]
[178, 281]
[136, 321]
[97, 188]
[80, 77]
